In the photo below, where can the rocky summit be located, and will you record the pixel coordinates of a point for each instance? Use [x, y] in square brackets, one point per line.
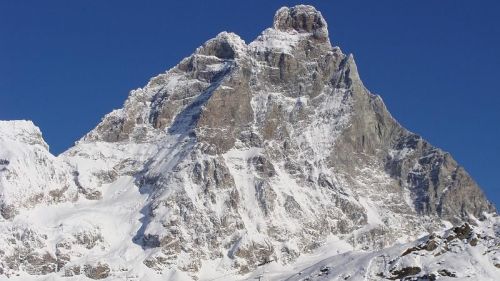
[245, 161]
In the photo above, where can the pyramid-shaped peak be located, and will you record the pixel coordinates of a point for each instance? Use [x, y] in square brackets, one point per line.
[301, 18]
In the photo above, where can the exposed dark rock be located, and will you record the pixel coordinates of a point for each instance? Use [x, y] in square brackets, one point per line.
[405, 272]
[263, 166]
[98, 271]
[473, 242]
[266, 196]
[255, 254]
[446, 272]
[72, 271]
[40, 264]
[425, 277]
[7, 211]
[464, 231]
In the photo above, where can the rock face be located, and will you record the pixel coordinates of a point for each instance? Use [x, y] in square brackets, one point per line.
[302, 19]
[241, 154]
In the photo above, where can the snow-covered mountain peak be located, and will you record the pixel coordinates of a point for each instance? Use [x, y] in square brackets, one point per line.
[226, 45]
[238, 157]
[29, 173]
[294, 30]
[296, 34]
[22, 131]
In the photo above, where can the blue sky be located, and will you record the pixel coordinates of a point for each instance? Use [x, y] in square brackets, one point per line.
[64, 64]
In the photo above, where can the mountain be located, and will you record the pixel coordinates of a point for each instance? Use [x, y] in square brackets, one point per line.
[241, 157]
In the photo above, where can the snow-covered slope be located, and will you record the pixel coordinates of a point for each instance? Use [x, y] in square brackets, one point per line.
[465, 252]
[29, 174]
[270, 154]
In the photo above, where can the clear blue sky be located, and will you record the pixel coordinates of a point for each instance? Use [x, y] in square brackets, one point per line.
[64, 64]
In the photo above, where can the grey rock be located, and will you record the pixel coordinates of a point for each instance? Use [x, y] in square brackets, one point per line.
[301, 18]
[96, 272]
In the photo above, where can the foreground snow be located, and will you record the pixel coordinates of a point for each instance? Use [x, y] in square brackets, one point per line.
[467, 252]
